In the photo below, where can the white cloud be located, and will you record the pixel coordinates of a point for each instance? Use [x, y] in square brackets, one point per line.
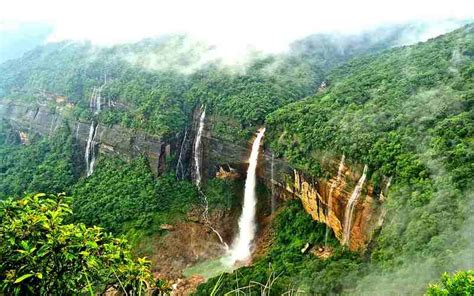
[232, 25]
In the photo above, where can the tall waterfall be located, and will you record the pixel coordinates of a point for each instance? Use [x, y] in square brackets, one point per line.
[197, 149]
[351, 205]
[333, 186]
[90, 150]
[241, 248]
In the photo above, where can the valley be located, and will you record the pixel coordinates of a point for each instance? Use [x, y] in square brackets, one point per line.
[319, 171]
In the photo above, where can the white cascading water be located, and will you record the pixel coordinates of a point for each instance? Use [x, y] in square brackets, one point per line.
[351, 205]
[98, 102]
[90, 150]
[92, 99]
[197, 173]
[96, 98]
[226, 247]
[197, 148]
[179, 164]
[241, 248]
[333, 186]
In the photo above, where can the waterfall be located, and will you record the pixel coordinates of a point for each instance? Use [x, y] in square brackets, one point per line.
[98, 102]
[333, 186]
[179, 164]
[226, 247]
[92, 99]
[197, 148]
[90, 150]
[242, 244]
[96, 98]
[272, 176]
[350, 207]
[197, 174]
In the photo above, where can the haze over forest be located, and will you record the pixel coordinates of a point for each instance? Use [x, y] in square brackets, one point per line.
[236, 148]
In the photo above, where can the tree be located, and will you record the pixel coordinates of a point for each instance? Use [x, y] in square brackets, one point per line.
[40, 255]
[461, 283]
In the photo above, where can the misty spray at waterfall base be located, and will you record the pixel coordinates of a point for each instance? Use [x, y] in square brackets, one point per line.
[241, 249]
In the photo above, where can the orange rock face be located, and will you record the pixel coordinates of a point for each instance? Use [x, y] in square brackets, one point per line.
[227, 174]
[326, 202]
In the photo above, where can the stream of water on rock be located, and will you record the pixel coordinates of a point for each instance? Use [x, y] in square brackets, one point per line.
[350, 207]
[197, 149]
[90, 150]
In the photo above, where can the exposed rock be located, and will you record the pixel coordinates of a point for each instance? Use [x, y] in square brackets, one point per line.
[223, 159]
[24, 138]
[168, 227]
[228, 173]
[188, 244]
[290, 183]
[322, 252]
[184, 287]
[313, 194]
[113, 140]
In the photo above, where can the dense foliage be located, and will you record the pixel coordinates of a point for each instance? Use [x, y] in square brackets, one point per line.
[153, 84]
[460, 283]
[407, 113]
[151, 101]
[45, 165]
[40, 255]
[125, 197]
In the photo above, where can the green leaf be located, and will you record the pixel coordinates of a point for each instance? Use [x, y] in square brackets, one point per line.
[23, 277]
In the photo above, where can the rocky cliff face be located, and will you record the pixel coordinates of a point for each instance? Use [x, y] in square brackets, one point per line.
[115, 140]
[325, 200]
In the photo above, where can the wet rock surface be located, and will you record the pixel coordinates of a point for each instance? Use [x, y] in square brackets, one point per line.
[113, 140]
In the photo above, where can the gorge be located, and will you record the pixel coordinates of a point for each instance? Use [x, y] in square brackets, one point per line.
[333, 168]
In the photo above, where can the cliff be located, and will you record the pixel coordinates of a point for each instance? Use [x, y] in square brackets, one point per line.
[325, 200]
[111, 140]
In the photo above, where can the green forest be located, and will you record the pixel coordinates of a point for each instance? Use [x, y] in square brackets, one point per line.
[407, 112]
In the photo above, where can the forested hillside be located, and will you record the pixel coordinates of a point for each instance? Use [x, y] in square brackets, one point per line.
[406, 112]
[153, 84]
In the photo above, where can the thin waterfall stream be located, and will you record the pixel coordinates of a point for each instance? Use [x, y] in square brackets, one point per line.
[198, 176]
[90, 150]
[197, 148]
[179, 164]
[351, 205]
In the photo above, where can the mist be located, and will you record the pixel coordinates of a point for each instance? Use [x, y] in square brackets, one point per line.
[233, 28]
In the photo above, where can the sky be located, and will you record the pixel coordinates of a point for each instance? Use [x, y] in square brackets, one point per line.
[233, 26]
